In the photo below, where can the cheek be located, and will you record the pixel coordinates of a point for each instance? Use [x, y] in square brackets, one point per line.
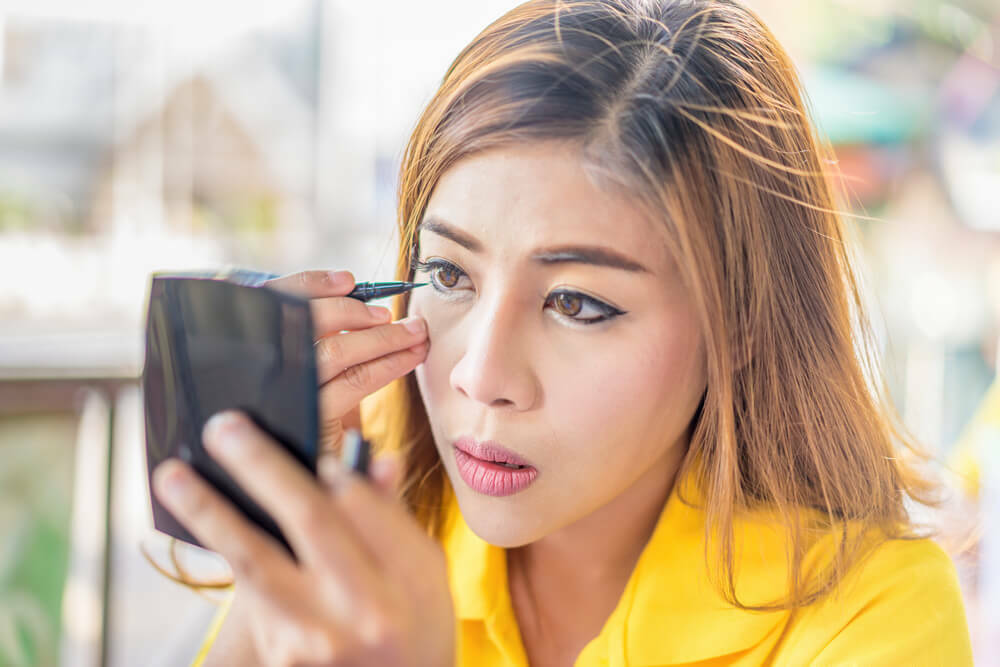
[432, 375]
[416, 304]
[440, 315]
[644, 396]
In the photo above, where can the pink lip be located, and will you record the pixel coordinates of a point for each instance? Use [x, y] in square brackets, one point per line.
[489, 450]
[479, 465]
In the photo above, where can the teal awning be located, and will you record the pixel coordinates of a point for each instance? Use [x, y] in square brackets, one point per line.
[852, 108]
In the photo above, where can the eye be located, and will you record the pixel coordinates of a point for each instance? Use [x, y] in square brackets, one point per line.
[444, 275]
[581, 308]
[573, 306]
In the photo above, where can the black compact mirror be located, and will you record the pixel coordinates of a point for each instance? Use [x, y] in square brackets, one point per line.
[215, 344]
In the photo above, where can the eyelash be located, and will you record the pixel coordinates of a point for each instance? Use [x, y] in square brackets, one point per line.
[608, 312]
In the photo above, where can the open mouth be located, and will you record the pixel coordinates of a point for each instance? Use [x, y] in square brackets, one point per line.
[502, 464]
[512, 466]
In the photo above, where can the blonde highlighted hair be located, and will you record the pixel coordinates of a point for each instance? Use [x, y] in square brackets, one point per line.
[694, 110]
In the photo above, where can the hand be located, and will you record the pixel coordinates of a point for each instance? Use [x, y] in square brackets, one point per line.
[370, 586]
[354, 364]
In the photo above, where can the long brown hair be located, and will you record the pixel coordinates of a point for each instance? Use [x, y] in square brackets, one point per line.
[694, 109]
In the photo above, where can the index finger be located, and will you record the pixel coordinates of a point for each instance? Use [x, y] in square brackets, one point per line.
[311, 284]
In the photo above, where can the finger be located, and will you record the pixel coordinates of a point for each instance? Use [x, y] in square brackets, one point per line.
[331, 315]
[384, 473]
[285, 489]
[346, 390]
[334, 354]
[331, 312]
[313, 284]
[254, 556]
[382, 523]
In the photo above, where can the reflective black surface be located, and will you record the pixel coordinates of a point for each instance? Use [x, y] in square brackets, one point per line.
[213, 345]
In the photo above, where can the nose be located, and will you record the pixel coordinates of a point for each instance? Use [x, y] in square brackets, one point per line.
[495, 369]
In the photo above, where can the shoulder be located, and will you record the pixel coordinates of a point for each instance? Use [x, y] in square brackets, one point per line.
[904, 572]
[902, 604]
[917, 561]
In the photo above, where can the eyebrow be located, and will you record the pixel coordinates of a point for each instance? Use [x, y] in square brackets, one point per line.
[563, 254]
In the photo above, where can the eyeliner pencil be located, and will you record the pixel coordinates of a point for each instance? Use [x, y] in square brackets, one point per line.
[369, 291]
[362, 291]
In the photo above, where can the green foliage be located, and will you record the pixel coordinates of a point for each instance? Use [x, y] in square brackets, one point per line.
[35, 494]
[245, 215]
[16, 212]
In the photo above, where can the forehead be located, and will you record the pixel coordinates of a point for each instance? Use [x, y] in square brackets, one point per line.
[518, 198]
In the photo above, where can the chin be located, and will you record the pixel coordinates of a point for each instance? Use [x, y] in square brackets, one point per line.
[505, 537]
[500, 525]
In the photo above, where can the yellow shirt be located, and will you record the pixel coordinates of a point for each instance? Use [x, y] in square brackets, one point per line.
[901, 606]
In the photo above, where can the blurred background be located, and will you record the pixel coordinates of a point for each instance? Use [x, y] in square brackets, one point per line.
[141, 136]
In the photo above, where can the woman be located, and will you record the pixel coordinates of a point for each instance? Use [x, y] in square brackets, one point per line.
[641, 427]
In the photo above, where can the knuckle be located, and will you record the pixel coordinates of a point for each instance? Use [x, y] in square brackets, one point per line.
[386, 335]
[244, 565]
[322, 646]
[347, 308]
[400, 363]
[385, 368]
[379, 632]
[310, 282]
[358, 376]
[312, 516]
[331, 350]
[388, 644]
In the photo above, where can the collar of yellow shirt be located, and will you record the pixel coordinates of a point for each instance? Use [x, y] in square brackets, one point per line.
[669, 611]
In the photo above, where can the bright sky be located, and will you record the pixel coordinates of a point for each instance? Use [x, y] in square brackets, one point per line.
[227, 16]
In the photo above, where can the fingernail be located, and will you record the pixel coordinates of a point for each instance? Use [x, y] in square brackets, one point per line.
[220, 430]
[341, 277]
[380, 313]
[173, 480]
[414, 324]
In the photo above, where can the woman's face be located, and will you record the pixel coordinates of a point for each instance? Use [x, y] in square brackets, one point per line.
[559, 330]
